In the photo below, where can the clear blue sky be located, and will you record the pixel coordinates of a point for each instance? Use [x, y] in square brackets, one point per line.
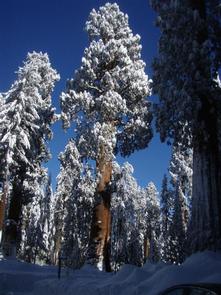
[57, 27]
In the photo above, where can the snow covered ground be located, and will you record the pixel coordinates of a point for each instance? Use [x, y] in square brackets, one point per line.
[19, 278]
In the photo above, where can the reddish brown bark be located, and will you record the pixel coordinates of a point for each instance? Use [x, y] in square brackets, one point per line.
[146, 248]
[99, 245]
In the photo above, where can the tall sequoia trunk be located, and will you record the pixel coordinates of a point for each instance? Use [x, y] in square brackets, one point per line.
[205, 225]
[99, 244]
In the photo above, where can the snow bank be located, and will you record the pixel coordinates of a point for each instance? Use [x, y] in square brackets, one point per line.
[130, 280]
[17, 276]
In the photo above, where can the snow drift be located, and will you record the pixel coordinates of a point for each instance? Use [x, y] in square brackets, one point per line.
[26, 278]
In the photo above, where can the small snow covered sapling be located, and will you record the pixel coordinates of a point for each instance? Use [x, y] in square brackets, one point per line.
[107, 100]
[129, 215]
[73, 207]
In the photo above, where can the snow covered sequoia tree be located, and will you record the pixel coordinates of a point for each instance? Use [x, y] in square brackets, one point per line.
[186, 80]
[26, 116]
[107, 101]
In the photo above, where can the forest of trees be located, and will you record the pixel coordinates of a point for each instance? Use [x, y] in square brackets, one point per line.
[98, 213]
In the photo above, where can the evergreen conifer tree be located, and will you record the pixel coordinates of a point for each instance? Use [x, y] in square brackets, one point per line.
[35, 243]
[107, 101]
[177, 230]
[166, 214]
[73, 207]
[186, 80]
[129, 214]
[26, 117]
[153, 223]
